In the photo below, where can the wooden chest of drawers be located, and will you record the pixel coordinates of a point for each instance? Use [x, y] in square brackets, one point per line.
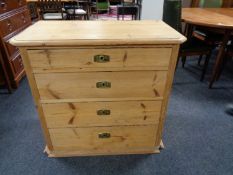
[14, 17]
[100, 87]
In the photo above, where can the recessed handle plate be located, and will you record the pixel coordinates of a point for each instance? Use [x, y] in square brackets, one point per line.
[103, 84]
[101, 58]
[103, 112]
[104, 135]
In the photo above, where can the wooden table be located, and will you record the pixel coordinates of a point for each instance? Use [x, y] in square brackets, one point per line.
[217, 18]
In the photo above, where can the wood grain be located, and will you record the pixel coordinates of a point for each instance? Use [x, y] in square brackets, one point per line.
[85, 114]
[36, 96]
[78, 33]
[83, 85]
[218, 18]
[134, 138]
[56, 59]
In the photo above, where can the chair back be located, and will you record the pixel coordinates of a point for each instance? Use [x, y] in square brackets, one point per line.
[50, 6]
[212, 3]
[102, 4]
[172, 13]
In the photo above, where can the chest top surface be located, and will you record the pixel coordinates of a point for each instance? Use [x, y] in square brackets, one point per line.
[80, 33]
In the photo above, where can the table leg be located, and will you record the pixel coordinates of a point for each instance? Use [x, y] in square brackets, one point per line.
[220, 57]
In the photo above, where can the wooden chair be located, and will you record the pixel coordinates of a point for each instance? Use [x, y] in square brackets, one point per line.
[229, 55]
[128, 8]
[101, 5]
[193, 46]
[75, 11]
[32, 7]
[51, 10]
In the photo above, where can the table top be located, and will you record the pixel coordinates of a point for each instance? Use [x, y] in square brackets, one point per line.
[76, 33]
[209, 17]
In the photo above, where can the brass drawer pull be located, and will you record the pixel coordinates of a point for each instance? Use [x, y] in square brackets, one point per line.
[103, 84]
[103, 112]
[101, 58]
[104, 135]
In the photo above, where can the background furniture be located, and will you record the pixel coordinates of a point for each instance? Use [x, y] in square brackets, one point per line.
[220, 19]
[127, 8]
[101, 5]
[76, 10]
[51, 10]
[4, 76]
[14, 17]
[33, 9]
[212, 3]
[193, 46]
[109, 86]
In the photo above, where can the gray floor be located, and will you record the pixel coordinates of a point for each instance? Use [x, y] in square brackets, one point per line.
[198, 135]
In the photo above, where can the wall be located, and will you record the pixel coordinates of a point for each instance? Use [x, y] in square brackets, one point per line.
[152, 9]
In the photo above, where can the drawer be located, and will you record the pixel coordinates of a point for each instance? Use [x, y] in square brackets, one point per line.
[14, 22]
[132, 84]
[104, 139]
[8, 5]
[17, 64]
[101, 113]
[66, 59]
[10, 48]
[23, 19]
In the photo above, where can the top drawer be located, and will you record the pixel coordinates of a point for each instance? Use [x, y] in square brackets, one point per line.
[8, 5]
[12, 23]
[75, 59]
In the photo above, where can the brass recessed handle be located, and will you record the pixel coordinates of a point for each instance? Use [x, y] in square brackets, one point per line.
[104, 135]
[101, 58]
[103, 112]
[103, 84]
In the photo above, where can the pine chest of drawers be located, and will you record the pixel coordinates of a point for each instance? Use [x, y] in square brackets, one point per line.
[100, 87]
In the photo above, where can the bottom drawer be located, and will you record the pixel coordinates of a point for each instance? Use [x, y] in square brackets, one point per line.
[107, 140]
[17, 64]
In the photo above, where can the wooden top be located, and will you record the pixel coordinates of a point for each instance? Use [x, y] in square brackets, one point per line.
[209, 17]
[76, 33]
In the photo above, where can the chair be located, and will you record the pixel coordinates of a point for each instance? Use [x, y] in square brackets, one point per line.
[75, 10]
[32, 7]
[101, 5]
[192, 47]
[229, 55]
[128, 8]
[51, 10]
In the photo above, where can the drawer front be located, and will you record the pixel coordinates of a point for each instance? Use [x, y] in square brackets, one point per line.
[101, 113]
[133, 84]
[14, 22]
[62, 59]
[8, 5]
[10, 48]
[17, 64]
[104, 139]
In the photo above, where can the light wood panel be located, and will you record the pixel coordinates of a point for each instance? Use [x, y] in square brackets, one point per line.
[122, 139]
[77, 33]
[57, 59]
[86, 114]
[83, 85]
